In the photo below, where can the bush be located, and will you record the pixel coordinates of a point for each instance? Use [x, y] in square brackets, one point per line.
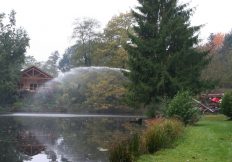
[120, 153]
[125, 151]
[181, 107]
[162, 134]
[226, 105]
[17, 106]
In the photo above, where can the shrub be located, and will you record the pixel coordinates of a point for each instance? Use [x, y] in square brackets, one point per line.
[181, 107]
[125, 151]
[120, 153]
[134, 145]
[162, 134]
[226, 105]
[17, 105]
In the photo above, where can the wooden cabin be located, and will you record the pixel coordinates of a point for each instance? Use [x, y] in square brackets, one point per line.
[33, 78]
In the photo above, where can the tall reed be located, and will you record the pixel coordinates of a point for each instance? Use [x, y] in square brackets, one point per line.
[160, 133]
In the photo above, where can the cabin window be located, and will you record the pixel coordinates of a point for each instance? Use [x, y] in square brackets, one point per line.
[33, 86]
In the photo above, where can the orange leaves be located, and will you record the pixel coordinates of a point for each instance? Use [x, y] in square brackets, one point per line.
[218, 40]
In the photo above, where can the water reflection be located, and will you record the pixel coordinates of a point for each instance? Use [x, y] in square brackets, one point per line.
[44, 139]
[28, 144]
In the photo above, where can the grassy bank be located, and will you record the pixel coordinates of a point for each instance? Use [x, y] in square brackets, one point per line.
[209, 141]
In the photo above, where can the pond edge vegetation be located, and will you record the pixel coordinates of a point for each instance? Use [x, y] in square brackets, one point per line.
[160, 133]
[164, 132]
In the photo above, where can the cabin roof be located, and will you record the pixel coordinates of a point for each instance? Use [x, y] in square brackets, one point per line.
[37, 69]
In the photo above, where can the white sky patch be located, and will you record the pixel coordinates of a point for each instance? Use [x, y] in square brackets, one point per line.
[215, 15]
[49, 23]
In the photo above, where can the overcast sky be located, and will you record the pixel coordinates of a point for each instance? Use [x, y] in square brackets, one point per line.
[49, 23]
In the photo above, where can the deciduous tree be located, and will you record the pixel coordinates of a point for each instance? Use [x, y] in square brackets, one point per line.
[31, 61]
[51, 65]
[85, 33]
[13, 44]
[111, 52]
[66, 62]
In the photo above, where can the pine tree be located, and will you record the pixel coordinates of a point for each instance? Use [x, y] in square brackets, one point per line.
[162, 54]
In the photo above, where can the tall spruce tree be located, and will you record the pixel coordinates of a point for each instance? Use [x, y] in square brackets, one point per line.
[162, 54]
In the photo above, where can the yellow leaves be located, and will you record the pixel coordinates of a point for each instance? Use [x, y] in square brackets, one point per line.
[106, 91]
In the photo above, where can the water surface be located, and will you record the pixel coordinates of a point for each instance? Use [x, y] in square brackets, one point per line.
[61, 137]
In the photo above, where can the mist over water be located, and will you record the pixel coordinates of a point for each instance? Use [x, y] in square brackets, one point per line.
[62, 138]
[75, 117]
[81, 70]
[55, 115]
[75, 74]
[83, 90]
[79, 75]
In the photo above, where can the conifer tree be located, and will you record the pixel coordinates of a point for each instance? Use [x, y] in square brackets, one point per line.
[162, 54]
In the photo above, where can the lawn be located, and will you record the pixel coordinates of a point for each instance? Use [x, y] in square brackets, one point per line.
[210, 140]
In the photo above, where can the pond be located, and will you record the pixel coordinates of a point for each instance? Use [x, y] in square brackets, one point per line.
[62, 137]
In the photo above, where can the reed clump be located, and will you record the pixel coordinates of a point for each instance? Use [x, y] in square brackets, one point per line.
[160, 133]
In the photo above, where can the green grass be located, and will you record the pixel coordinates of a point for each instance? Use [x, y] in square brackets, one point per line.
[209, 141]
